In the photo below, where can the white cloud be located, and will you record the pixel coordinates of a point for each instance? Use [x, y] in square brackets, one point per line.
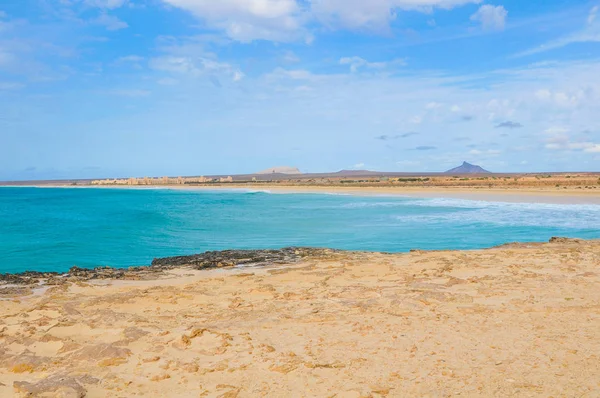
[566, 99]
[491, 17]
[357, 63]
[354, 62]
[426, 102]
[556, 130]
[565, 144]
[286, 20]
[560, 140]
[372, 14]
[195, 66]
[595, 148]
[294, 74]
[110, 22]
[248, 20]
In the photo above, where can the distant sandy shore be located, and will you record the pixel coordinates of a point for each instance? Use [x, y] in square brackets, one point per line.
[496, 194]
[519, 320]
[565, 196]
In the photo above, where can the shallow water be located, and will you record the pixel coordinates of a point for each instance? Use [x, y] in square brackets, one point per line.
[52, 229]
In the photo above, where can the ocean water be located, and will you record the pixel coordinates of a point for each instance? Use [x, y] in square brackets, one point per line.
[52, 229]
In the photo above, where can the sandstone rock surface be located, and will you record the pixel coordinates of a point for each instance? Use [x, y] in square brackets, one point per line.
[518, 320]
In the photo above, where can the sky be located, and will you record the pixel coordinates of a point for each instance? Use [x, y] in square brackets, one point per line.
[120, 88]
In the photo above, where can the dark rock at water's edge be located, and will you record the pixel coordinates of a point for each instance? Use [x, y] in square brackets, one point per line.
[77, 274]
[554, 239]
[232, 258]
[23, 278]
[214, 259]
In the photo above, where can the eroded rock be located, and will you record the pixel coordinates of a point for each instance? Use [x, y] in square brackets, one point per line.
[232, 258]
[556, 239]
[212, 259]
[54, 386]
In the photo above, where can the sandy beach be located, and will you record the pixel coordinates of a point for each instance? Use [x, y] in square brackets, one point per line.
[571, 195]
[511, 195]
[518, 320]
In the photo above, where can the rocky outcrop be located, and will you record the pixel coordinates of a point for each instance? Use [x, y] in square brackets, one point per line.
[76, 274]
[565, 240]
[232, 258]
[555, 239]
[212, 259]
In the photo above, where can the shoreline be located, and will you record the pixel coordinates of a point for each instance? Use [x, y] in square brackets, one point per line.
[514, 320]
[224, 261]
[496, 194]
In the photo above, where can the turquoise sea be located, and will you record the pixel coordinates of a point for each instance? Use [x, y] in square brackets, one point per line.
[52, 229]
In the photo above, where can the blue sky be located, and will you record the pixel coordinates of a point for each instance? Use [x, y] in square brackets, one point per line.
[94, 88]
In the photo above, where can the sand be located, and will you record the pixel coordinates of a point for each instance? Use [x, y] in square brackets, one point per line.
[509, 195]
[520, 320]
[570, 195]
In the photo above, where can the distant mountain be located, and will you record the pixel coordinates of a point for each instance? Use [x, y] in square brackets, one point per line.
[281, 170]
[467, 168]
[355, 173]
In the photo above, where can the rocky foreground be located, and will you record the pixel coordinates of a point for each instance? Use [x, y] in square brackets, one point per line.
[518, 320]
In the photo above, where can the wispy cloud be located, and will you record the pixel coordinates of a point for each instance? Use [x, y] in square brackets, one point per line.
[195, 67]
[589, 33]
[373, 15]
[110, 22]
[560, 140]
[357, 63]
